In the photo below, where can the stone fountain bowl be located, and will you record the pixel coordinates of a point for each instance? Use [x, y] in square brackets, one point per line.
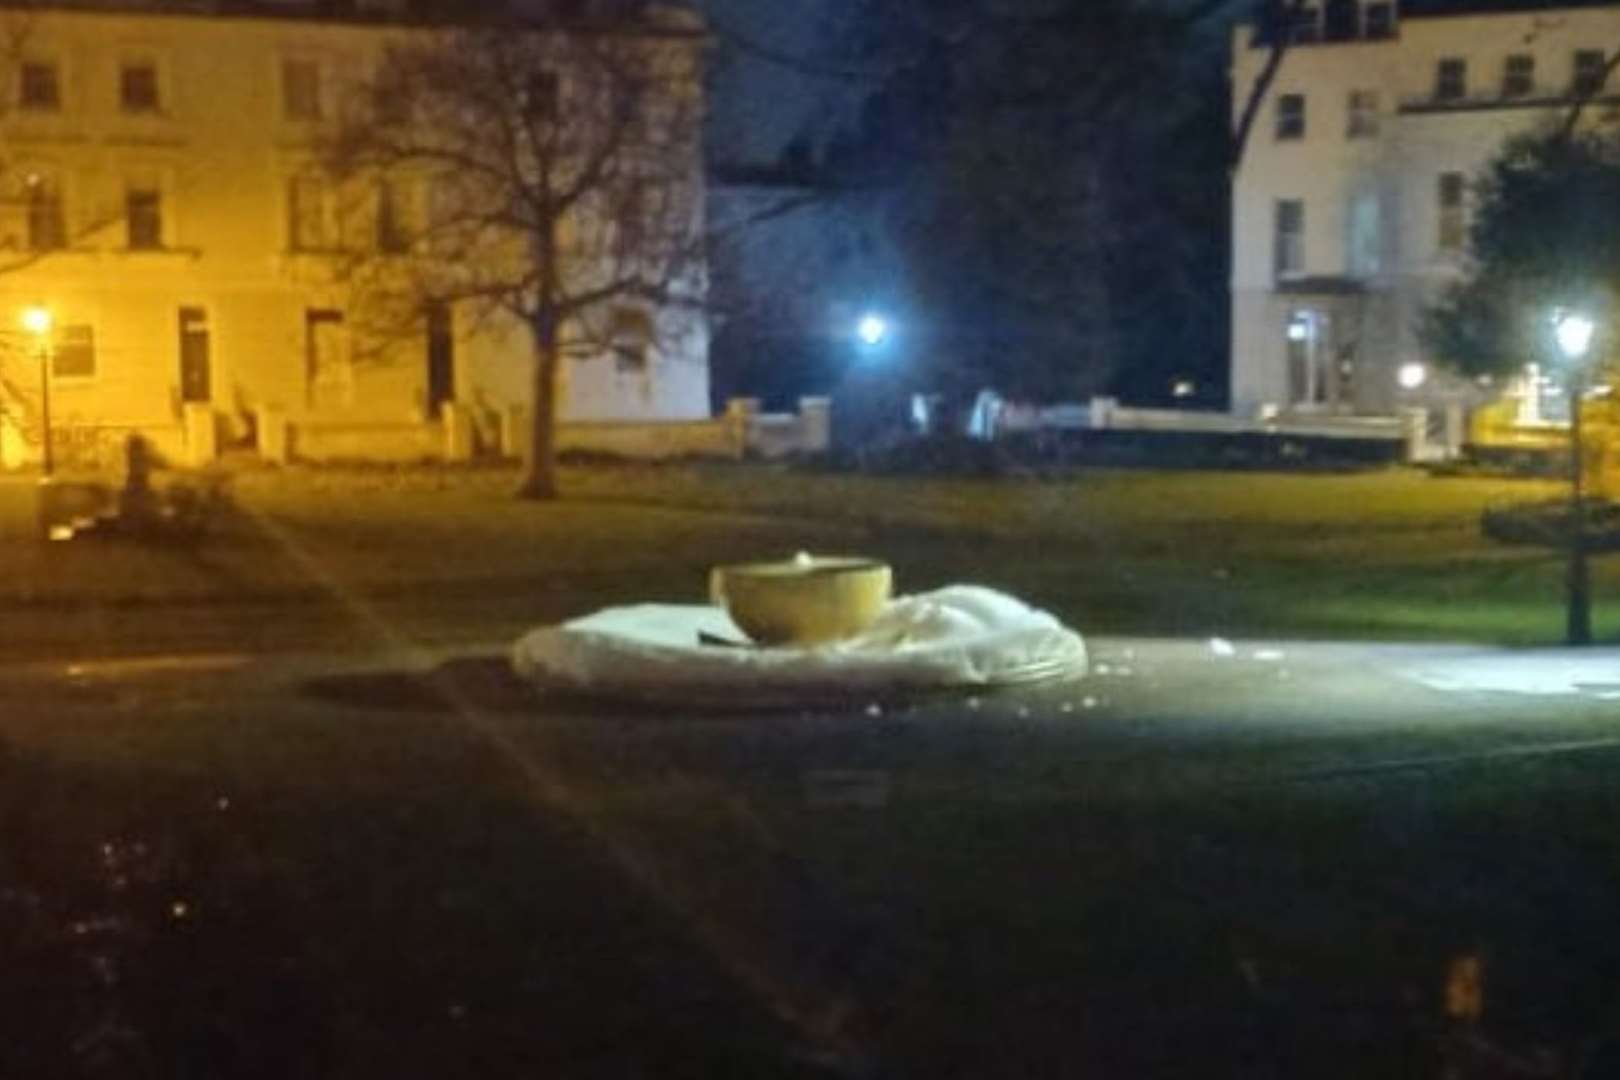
[808, 600]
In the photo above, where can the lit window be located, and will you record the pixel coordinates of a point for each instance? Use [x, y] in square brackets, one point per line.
[300, 90]
[1518, 76]
[1362, 121]
[143, 212]
[306, 214]
[1365, 227]
[1288, 250]
[1291, 116]
[1451, 79]
[1453, 217]
[39, 86]
[47, 223]
[1588, 73]
[73, 355]
[138, 88]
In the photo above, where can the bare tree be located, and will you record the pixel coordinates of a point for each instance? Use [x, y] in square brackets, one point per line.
[1275, 24]
[548, 172]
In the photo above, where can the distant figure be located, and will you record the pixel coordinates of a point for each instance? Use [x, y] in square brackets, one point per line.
[137, 504]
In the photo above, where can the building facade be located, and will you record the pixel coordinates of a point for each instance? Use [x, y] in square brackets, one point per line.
[1350, 210]
[158, 199]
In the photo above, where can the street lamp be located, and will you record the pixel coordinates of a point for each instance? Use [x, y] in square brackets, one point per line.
[37, 321]
[1573, 332]
[872, 330]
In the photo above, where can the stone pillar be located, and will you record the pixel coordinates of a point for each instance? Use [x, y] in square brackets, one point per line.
[1456, 429]
[516, 432]
[202, 432]
[815, 424]
[458, 431]
[1415, 426]
[1102, 412]
[740, 413]
[274, 446]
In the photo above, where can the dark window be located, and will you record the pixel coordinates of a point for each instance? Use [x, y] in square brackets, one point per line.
[1518, 75]
[631, 340]
[300, 90]
[1362, 122]
[1339, 18]
[1291, 116]
[306, 214]
[1588, 77]
[1288, 251]
[1307, 26]
[47, 225]
[40, 88]
[1451, 79]
[393, 237]
[143, 210]
[1380, 20]
[138, 88]
[540, 97]
[1451, 195]
[74, 355]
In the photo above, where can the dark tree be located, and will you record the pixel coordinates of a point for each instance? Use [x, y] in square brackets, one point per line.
[555, 173]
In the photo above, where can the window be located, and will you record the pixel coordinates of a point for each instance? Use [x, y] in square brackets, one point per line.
[1306, 28]
[631, 338]
[1288, 252]
[300, 90]
[74, 353]
[39, 87]
[393, 236]
[1453, 216]
[1451, 79]
[306, 214]
[1291, 116]
[47, 224]
[1588, 78]
[1380, 20]
[143, 214]
[1364, 227]
[138, 87]
[541, 96]
[1518, 76]
[1362, 122]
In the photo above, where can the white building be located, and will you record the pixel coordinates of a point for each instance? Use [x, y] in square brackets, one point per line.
[1350, 209]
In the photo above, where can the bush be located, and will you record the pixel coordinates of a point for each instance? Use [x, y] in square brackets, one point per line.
[1546, 523]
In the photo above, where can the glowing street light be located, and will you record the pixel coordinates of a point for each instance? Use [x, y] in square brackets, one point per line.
[1412, 376]
[872, 330]
[37, 320]
[1573, 332]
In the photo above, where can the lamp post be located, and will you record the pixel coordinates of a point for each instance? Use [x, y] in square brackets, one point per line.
[37, 321]
[1573, 332]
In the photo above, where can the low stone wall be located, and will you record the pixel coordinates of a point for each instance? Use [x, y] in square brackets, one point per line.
[461, 435]
[390, 443]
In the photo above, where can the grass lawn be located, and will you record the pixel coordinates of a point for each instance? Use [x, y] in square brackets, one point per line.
[406, 886]
[447, 556]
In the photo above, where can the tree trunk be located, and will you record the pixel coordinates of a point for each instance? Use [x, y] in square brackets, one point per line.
[540, 462]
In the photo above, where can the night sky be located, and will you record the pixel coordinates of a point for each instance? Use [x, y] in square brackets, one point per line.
[759, 106]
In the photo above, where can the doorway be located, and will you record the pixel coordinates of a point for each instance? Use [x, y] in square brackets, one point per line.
[196, 362]
[331, 374]
[441, 358]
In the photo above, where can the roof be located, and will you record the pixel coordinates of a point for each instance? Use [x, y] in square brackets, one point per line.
[661, 18]
[1427, 8]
